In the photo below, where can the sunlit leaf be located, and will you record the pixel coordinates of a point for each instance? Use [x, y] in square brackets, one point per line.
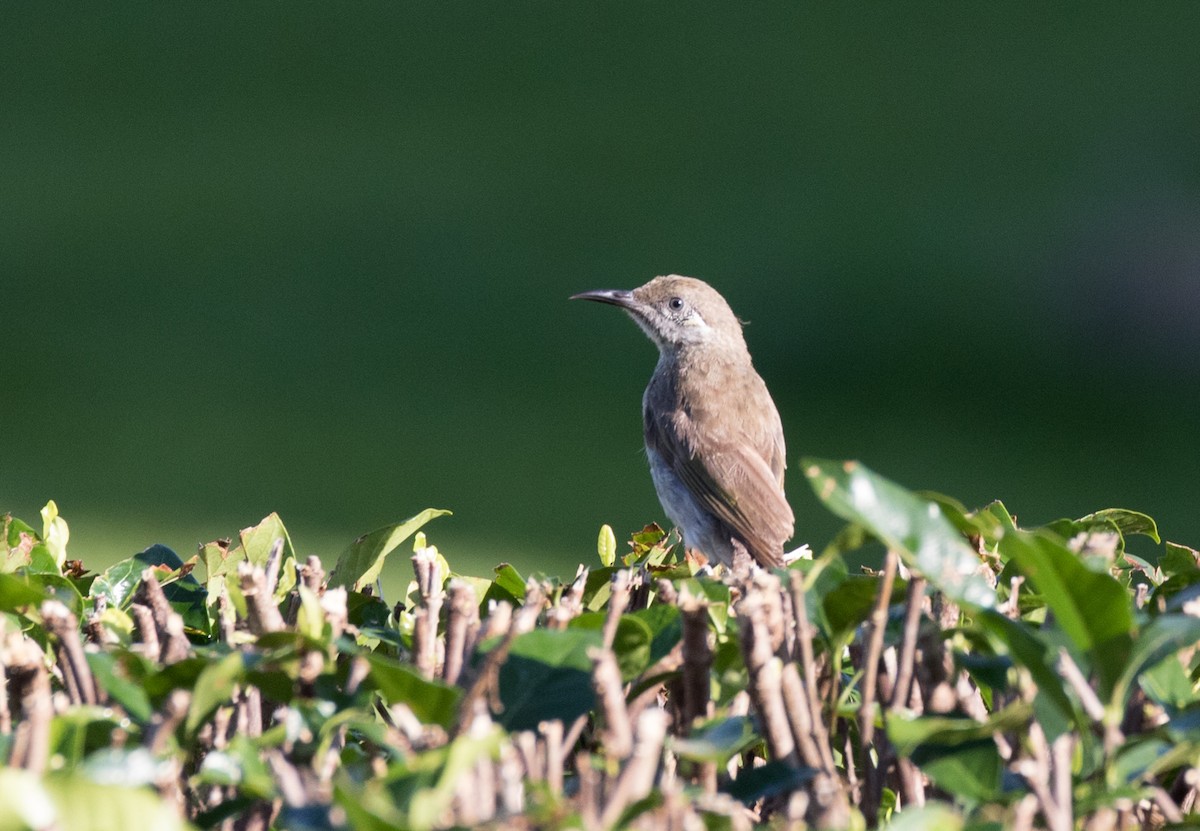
[606, 546]
[1158, 641]
[509, 582]
[1127, 522]
[914, 527]
[55, 533]
[433, 702]
[24, 802]
[1093, 609]
[362, 561]
[84, 805]
[929, 817]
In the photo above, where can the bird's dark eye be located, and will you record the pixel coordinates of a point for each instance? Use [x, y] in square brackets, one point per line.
[675, 304]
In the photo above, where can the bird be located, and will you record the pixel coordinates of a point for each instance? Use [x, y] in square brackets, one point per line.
[714, 439]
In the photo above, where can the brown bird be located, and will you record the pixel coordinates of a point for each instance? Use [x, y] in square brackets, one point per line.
[713, 436]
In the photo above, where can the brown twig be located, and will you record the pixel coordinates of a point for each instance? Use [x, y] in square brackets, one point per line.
[697, 661]
[637, 778]
[462, 627]
[765, 685]
[874, 763]
[77, 675]
[29, 685]
[610, 699]
[262, 613]
[621, 585]
[906, 657]
[804, 642]
[521, 622]
[427, 615]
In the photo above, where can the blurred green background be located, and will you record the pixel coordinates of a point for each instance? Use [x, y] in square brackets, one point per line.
[315, 258]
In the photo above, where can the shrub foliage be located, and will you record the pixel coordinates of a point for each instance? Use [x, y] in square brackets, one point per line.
[931, 668]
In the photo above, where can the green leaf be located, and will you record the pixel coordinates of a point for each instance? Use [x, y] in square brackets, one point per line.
[86, 805]
[1179, 559]
[258, 540]
[1052, 707]
[1161, 639]
[24, 802]
[631, 644]
[360, 564]
[214, 687]
[666, 629]
[548, 675]
[239, 765]
[432, 701]
[1092, 608]
[1127, 522]
[606, 546]
[19, 540]
[121, 689]
[510, 582]
[851, 602]
[916, 528]
[718, 740]
[959, 754]
[118, 582]
[19, 592]
[930, 817]
[775, 777]
[55, 533]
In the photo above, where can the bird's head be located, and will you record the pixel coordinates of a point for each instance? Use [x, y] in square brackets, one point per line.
[677, 313]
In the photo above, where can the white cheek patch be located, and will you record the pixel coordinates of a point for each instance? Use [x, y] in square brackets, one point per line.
[694, 321]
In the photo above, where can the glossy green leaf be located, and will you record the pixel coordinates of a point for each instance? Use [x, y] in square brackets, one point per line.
[548, 675]
[1092, 608]
[432, 701]
[118, 582]
[916, 528]
[362, 561]
[1052, 707]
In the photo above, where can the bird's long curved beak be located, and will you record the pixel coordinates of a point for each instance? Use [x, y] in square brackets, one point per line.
[614, 297]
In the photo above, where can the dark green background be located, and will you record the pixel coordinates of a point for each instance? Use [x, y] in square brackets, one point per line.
[315, 259]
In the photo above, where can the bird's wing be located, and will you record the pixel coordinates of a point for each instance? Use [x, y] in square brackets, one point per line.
[759, 516]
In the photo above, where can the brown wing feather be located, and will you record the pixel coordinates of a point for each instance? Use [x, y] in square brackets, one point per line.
[760, 517]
